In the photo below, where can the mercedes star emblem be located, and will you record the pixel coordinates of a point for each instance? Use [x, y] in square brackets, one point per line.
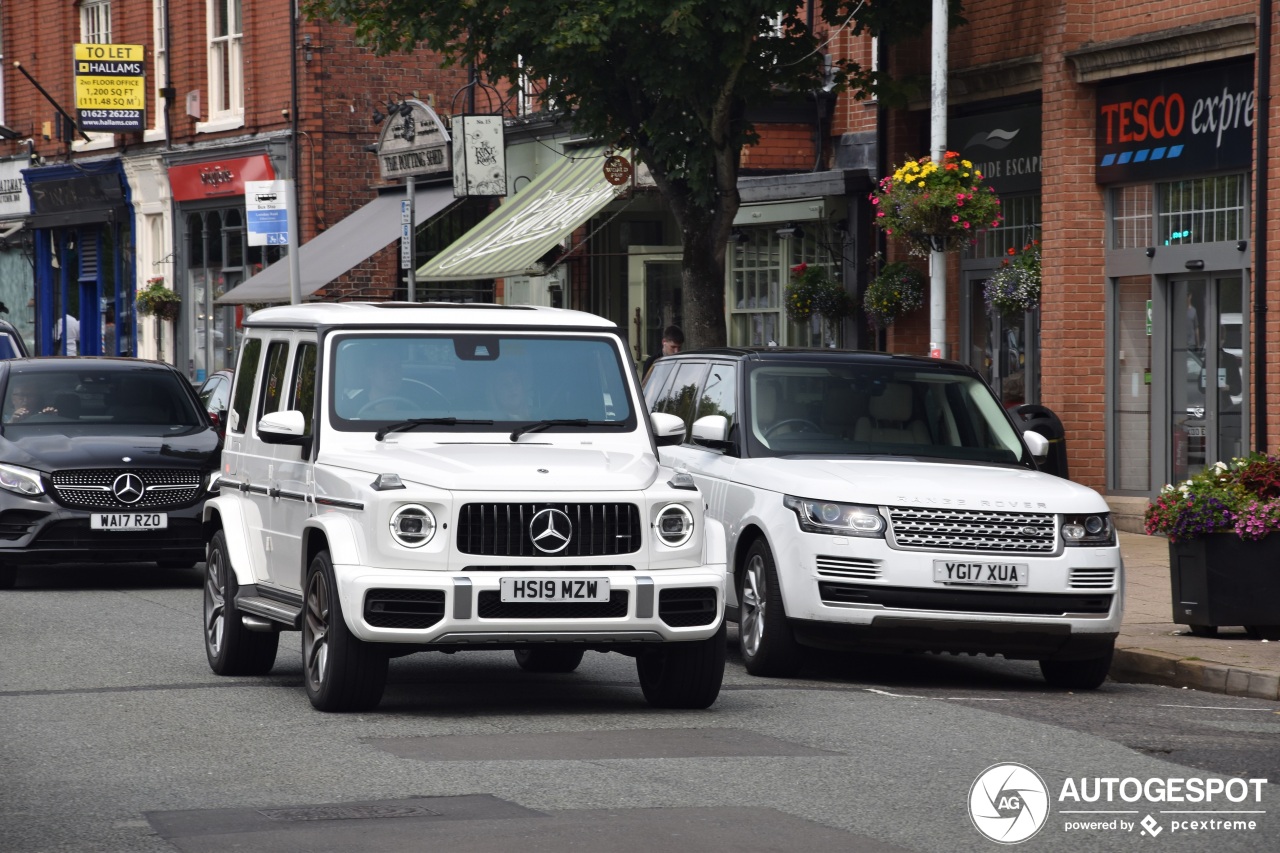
[128, 488]
[550, 531]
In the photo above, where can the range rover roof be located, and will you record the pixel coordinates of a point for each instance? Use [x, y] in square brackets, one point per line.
[367, 314]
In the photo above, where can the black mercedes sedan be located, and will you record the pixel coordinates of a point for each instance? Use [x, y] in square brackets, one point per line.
[102, 460]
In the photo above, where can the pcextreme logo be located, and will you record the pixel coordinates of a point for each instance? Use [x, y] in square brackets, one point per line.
[1010, 803]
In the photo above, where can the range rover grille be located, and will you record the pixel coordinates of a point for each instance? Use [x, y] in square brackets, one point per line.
[505, 530]
[973, 530]
[91, 489]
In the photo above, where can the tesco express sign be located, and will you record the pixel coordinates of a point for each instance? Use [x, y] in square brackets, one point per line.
[1176, 124]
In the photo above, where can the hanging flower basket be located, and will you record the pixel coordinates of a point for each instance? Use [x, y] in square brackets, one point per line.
[897, 290]
[811, 291]
[1015, 288]
[156, 300]
[935, 206]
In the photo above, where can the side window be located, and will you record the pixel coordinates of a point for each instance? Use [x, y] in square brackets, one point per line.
[718, 397]
[246, 373]
[657, 378]
[273, 378]
[682, 397]
[303, 394]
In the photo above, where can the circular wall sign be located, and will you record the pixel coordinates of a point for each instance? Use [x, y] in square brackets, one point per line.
[617, 170]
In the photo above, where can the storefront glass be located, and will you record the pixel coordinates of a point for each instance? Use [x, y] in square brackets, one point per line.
[1132, 382]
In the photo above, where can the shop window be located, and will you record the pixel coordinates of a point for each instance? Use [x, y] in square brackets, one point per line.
[1201, 210]
[1132, 381]
[1132, 209]
[1020, 222]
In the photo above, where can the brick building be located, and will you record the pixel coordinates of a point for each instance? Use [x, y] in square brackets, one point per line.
[229, 92]
[1145, 186]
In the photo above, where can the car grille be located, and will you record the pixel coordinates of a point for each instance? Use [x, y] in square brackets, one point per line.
[403, 608]
[973, 530]
[503, 530]
[853, 568]
[91, 489]
[491, 606]
[75, 533]
[965, 601]
[1082, 578]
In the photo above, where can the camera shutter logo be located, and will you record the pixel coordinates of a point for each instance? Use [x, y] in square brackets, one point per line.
[1008, 803]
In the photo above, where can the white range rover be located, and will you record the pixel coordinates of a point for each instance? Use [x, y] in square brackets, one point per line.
[883, 502]
[401, 478]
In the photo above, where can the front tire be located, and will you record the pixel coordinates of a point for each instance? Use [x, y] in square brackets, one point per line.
[1085, 674]
[232, 648]
[683, 675]
[8, 577]
[341, 671]
[549, 658]
[766, 642]
[1262, 632]
[1203, 630]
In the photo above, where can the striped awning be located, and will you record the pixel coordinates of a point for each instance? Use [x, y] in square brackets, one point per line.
[510, 240]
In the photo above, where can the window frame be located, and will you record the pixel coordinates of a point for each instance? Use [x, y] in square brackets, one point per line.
[224, 66]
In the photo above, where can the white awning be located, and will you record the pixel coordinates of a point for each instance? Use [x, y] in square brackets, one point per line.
[350, 242]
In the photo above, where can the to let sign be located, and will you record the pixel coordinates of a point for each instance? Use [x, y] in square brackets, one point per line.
[111, 86]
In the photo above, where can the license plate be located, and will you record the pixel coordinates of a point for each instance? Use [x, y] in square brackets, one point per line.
[129, 521]
[981, 574]
[555, 589]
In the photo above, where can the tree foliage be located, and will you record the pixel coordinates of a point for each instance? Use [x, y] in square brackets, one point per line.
[672, 79]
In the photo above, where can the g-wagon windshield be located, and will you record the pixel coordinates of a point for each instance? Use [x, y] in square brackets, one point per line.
[476, 381]
[841, 409]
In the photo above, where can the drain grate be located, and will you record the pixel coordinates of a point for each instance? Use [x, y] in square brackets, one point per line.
[346, 812]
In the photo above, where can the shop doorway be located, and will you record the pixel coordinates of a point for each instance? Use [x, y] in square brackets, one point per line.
[1207, 370]
[655, 298]
[1003, 350]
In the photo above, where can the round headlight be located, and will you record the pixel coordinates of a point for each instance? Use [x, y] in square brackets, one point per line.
[413, 525]
[1093, 525]
[675, 525]
[830, 513]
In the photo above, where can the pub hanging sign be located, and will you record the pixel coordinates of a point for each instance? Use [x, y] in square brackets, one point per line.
[413, 143]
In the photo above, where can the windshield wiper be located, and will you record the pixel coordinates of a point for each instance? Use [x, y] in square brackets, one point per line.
[539, 426]
[417, 422]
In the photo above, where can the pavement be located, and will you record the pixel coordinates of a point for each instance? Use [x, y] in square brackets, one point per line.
[1151, 649]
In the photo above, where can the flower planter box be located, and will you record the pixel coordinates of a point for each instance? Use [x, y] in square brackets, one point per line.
[1221, 579]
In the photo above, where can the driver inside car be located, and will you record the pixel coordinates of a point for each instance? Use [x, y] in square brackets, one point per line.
[25, 401]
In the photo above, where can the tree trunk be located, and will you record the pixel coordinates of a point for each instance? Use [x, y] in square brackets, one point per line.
[703, 277]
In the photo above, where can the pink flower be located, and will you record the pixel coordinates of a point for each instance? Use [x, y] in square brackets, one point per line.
[966, 224]
[875, 200]
[955, 218]
[879, 213]
[799, 268]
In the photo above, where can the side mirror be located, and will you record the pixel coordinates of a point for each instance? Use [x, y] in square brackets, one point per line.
[1037, 444]
[287, 427]
[667, 429]
[711, 431]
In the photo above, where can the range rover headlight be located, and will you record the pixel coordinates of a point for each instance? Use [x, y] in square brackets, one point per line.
[674, 525]
[1086, 530]
[413, 525]
[24, 481]
[838, 519]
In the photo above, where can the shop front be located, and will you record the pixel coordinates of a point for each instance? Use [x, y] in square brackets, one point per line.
[1003, 142]
[212, 253]
[83, 239]
[1174, 157]
[17, 281]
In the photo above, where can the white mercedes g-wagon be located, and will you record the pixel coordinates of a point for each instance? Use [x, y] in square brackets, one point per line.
[406, 477]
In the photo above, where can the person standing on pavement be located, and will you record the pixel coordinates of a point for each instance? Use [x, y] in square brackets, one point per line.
[71, 327]
[672, 342]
